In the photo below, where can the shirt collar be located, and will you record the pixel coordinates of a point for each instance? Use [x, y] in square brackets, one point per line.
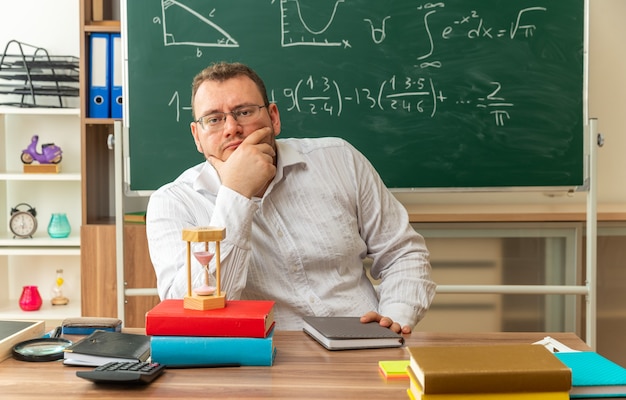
[287, 157]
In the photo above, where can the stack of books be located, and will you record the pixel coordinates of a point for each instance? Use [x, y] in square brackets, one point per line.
[240, 334]
[523, 371]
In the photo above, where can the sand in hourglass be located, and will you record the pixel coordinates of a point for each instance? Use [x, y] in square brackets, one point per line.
[204, 257]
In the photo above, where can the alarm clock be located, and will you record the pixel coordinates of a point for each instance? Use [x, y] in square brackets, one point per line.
[23, 223]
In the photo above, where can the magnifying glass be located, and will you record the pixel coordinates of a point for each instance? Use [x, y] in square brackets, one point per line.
[41, 349]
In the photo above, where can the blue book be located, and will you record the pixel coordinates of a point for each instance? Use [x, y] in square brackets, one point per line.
[594, 375]
[206, 351]
[88, 325]
[88, 330]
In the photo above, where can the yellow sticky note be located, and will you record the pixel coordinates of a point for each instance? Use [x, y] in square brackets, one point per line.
[394, 369]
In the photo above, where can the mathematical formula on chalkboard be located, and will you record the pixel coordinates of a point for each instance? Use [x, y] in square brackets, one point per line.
[325, 96]
[461, 93]
[296, 30]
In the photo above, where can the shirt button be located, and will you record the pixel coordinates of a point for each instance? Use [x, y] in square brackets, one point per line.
[279, 233]
[312, 299]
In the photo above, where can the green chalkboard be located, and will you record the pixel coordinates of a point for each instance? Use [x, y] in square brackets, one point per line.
[450, 94]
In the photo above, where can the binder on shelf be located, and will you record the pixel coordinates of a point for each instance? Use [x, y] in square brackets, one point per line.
[99, 76]
[115, 57]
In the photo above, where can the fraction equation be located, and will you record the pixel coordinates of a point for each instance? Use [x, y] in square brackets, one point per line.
[410, 95]
[324, 96]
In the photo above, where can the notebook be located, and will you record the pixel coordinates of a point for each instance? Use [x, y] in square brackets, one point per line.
[102, 347]
[343, 333]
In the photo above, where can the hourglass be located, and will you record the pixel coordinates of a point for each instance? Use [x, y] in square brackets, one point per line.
[205, 297]
[204, 258]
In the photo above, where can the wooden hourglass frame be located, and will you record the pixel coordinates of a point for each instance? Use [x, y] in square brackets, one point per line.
[217, 299]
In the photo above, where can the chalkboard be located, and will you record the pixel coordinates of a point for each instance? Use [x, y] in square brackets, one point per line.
[450, 94]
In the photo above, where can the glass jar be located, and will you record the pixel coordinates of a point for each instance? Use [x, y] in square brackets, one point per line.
[30, 300]
[59, 226]
[57, 291]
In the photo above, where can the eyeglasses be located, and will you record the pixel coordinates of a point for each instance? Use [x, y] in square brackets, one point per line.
[243, 115]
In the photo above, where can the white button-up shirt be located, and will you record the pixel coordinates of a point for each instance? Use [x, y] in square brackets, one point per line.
[303, 243]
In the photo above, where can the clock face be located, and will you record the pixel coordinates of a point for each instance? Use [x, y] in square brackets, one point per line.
[23, 224]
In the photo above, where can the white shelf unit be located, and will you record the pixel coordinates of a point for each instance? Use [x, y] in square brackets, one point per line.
[35, 261]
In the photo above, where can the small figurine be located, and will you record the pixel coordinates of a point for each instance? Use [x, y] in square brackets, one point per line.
[58, 299]
[50, 153]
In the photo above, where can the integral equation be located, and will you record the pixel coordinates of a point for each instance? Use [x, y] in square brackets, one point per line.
[320, 26]
[432, 29]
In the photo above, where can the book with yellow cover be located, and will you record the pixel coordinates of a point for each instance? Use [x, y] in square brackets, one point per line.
[488, 369]
[415, 393]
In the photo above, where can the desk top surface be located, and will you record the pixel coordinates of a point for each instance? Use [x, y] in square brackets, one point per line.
[303, 369]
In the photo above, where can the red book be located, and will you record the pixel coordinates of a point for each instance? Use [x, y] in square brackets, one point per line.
[240, 318]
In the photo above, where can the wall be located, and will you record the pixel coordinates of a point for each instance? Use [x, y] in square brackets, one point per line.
[41, 23]
[607, 94]
[45, 32]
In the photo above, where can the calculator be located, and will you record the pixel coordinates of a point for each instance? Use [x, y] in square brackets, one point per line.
[124, 372]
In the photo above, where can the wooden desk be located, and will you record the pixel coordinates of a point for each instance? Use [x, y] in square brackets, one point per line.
[302, 370]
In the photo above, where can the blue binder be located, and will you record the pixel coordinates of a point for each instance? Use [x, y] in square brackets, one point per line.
[99, 76]
[116, 75]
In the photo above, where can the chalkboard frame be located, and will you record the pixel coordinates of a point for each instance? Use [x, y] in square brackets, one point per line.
[579, 183]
